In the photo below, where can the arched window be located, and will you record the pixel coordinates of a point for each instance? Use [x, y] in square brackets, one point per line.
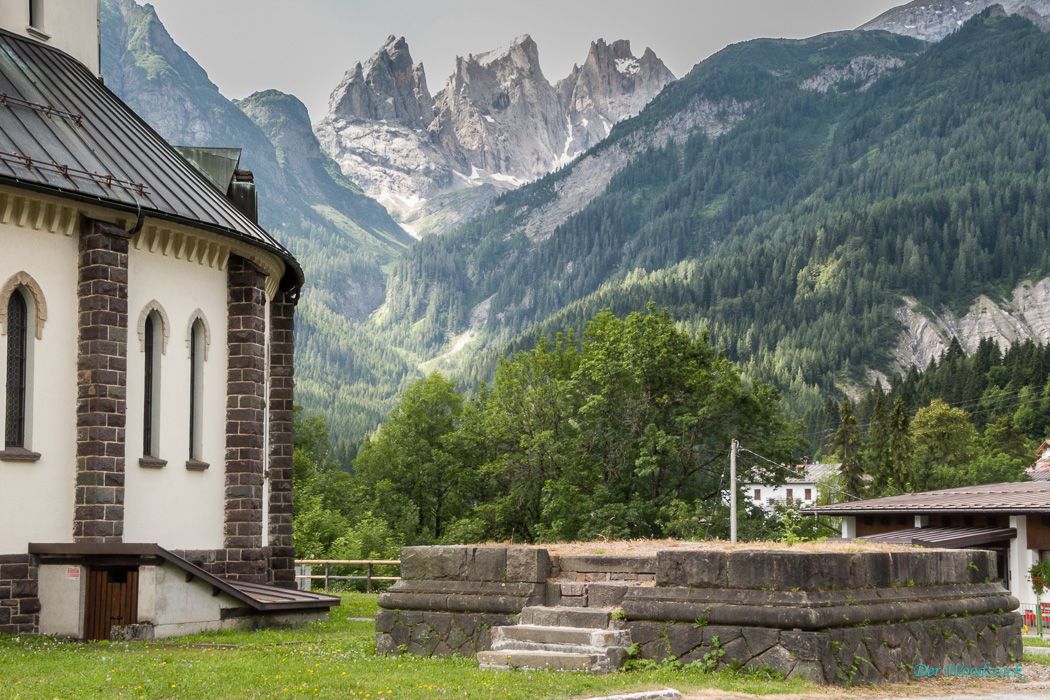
[151, 346]
[17, 370]
[197, 348]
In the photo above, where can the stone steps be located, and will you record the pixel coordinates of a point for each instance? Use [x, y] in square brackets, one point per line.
[537, 660]
[595, 618]
[576, 639]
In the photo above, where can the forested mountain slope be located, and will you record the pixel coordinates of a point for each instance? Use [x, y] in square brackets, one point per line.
[864, 167]
[342, 238]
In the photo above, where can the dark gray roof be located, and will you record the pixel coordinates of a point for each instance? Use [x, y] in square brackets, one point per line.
[257, 596]
[1012, 497]
[90, 135]
[945, 537]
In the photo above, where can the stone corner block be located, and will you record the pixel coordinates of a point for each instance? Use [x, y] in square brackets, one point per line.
[528, 565]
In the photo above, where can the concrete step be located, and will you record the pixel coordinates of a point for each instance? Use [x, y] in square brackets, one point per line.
[551, 636]
[539, 660]
[591, 618]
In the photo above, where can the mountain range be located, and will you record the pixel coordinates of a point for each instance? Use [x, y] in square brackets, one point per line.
[496, 124]
[830, 210]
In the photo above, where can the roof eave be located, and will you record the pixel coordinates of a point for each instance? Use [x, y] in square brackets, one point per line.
[294, 279]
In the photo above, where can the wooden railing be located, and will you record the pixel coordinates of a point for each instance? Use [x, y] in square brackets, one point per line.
[328, 576]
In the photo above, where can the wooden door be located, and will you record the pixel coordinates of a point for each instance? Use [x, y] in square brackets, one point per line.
[112, 599]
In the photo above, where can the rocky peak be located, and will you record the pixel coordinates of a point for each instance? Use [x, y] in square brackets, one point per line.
[499, 114]
[388, 86]
[611, 85]
[932, 20]
[496, 124]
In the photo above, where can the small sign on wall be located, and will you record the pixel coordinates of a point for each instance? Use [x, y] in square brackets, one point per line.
[73, 572]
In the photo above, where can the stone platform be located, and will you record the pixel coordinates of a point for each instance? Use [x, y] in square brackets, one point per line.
[831, 617]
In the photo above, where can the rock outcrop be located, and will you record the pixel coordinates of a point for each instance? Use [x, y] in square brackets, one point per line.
[496, 124]
[932, 20]
[927, 333]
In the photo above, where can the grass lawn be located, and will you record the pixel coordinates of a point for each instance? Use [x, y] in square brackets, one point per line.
[1036, 642]
[334, 659]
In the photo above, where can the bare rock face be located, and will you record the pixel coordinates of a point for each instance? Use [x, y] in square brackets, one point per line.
[611, 85]
[497, 124]
[927, 333]
[932, 20]
[499, 114]
[387, 87]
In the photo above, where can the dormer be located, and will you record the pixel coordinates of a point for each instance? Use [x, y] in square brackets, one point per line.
[67, 25]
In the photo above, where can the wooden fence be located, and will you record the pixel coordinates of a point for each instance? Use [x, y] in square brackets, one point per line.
[328, 576]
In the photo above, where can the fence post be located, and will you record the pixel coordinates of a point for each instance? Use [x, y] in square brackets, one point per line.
[327, 573]
[368, 579]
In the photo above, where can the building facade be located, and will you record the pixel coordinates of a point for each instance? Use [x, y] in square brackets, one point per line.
[1011, 519]
[145, 348]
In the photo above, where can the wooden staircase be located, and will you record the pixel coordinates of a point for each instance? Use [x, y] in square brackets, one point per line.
[566, 639]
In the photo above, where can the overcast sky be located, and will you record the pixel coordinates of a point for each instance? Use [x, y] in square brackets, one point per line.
[304, 46]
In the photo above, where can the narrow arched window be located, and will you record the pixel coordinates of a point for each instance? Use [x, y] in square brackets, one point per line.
[196, 389]
[151, 399]
[17, 370]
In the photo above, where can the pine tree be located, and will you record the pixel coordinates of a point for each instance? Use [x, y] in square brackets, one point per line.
[847, 446]
[900, 449]
[877, 458]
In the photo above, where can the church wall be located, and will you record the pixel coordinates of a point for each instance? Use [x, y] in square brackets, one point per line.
[190, 516]
[28, 489]
[62, 27]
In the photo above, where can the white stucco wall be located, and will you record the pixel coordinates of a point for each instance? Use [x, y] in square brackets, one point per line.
[36, 498]
[68, 25]
[175, 607]
[173, 506]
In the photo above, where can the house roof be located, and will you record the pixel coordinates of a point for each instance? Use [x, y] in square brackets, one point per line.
[945, 537]
[1015, 497]
[63, 132]
[256, 596]
[811, 474]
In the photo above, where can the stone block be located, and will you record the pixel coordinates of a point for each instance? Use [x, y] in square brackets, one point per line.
[691, 568]
[439, 622]
[385, 620]
[435, 563]
[528, 564]
[488, 564]
[606, 563]
[776, 658]
[683, 637]
[806, 646]
[605, 595]
[782, 571]
[870, 570]
[759, 639]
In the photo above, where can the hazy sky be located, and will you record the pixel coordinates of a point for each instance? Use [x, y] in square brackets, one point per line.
[304, 46]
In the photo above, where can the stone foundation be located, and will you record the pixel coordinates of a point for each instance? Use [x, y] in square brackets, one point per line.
[19, 597]
[832, 617]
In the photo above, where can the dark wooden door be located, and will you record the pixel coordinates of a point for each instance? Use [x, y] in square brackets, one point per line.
[112, 599]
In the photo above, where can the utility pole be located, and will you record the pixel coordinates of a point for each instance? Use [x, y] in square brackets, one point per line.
[732, 490]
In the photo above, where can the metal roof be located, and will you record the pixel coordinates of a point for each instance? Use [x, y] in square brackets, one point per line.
[945, 537]
[1013, 497]
[256, 596]
[63, 132]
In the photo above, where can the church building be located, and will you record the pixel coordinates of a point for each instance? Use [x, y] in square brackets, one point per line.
[145, 362]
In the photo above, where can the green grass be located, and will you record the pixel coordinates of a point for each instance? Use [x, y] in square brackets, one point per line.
[334, 659]
[1035, 642]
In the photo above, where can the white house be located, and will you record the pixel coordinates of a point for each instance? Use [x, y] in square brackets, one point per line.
[146, 354]
[800, 488]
